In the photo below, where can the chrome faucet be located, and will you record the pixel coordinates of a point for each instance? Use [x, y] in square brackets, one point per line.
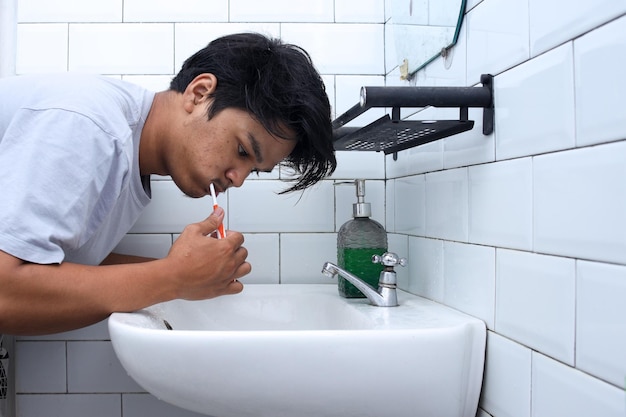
[386, 295]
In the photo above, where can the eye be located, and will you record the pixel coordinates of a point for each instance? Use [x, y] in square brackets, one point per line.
[242, 152]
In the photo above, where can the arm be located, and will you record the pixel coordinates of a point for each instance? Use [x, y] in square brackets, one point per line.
[37, 299]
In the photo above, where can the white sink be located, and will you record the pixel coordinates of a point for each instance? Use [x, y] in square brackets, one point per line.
[302, 350]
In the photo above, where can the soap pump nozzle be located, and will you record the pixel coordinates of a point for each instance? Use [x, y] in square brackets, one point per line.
[361, 208]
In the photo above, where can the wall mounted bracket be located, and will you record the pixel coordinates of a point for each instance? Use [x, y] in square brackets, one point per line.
[391, 134]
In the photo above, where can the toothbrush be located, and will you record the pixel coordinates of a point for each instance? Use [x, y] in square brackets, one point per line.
[221, 233]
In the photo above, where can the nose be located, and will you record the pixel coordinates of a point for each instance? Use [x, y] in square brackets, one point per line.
[237, 176]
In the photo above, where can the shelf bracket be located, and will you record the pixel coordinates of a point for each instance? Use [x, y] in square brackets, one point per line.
[391, 134]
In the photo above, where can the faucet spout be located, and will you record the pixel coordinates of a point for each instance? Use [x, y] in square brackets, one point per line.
[384, 296]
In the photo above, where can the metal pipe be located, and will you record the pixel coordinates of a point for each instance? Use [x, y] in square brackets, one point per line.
[425, 96]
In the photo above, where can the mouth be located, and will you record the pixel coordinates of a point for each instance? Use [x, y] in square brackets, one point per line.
[218, 189]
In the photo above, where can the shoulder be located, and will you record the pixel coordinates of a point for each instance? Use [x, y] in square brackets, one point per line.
[105, 100]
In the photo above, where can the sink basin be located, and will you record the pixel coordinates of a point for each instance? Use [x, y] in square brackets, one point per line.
[301, 350]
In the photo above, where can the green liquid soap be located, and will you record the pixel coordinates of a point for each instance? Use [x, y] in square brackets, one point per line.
[359, 263]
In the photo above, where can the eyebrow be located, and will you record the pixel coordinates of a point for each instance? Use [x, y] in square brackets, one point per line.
[256, 149]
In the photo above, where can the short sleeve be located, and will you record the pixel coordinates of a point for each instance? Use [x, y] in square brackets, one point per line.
[60, 173]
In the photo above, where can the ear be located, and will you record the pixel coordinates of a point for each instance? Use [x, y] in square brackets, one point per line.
[198, 91]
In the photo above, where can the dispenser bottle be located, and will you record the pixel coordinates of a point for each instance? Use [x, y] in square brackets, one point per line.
[358, 239]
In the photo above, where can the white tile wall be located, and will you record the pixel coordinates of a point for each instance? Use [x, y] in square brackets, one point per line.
[93, 405]
[558, 390]
[500, 204]
[121, 48]
[426, 268]
[281, 11]
[523, 228]
[39, 11]
[600, 329]
[535, 301]
[41, 48]
[179, 11]
[579, 203]
[328, 44]
[506, 390]
[538, 93]
[446, 204]
[600, 86]
[497, 37]
[575, 18]
[469, 279]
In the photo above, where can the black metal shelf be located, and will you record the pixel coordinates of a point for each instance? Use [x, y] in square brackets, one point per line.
[391, 134]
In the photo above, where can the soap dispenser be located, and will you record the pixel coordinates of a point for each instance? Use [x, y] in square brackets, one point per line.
[358, 239]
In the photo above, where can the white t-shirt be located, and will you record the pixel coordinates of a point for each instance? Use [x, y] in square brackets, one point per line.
[70, 186]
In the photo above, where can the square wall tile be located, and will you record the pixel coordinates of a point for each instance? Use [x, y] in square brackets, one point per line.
[142, 405]
[536, 302]
[447, 204]
[41, 48]
[150, 82]
[74, 405]
[69, 11]
[426, 266]
[410, 205]
[257, 208]
[600, 313]
[116, 48]
[535, 105]
[280, 11]
[579, 203]
[170, 210]
[179, 11]
[500, 204]
[40, 367]
[302, 256]
[599, 59]
[469, 279]
[93, 367]
[399, 244]
[506, 386]
[353, 165]
[497, 37]
[558, 390]
[574, 19]
[264, 256]
[328, 45]
[360, 11]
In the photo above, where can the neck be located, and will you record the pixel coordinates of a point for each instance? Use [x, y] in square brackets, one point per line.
[152, 145]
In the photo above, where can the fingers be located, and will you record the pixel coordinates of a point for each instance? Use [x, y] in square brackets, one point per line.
[211, 223]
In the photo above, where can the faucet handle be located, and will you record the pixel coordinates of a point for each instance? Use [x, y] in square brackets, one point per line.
[389, 259]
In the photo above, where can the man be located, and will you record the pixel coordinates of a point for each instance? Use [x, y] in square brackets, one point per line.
[76, 153]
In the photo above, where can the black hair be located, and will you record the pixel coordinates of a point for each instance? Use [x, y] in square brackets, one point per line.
[279, 86]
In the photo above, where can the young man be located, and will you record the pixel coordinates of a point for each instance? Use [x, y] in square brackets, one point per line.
[76, 154]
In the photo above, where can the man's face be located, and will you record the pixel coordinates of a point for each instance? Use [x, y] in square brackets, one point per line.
[223, 150]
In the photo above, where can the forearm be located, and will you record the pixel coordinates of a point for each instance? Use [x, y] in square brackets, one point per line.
[37, 299]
